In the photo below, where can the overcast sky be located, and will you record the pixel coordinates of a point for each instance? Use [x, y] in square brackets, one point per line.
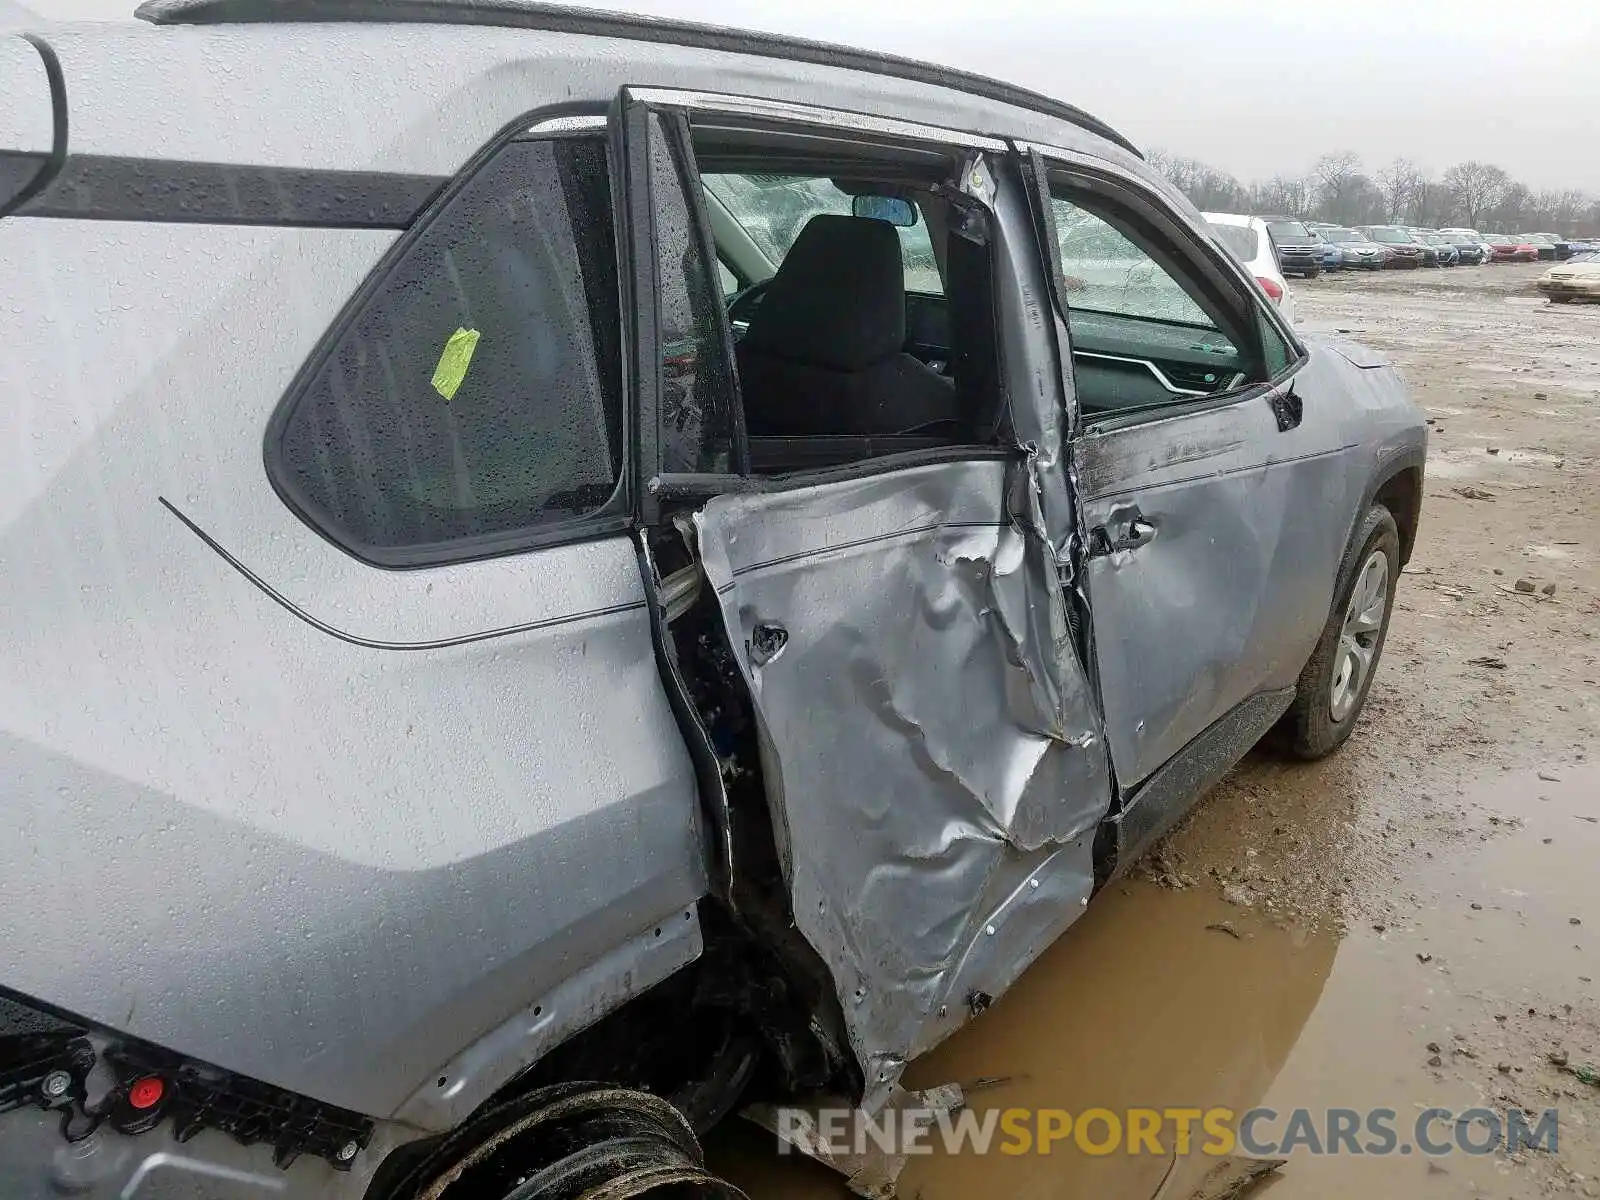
[1256, 87]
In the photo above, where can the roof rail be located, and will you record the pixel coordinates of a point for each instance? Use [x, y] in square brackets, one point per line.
[559, 18]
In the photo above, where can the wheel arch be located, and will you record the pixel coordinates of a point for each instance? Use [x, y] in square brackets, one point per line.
[1397, 485]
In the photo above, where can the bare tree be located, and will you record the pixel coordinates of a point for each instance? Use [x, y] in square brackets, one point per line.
[1397, 182]
[1513, 211]
[1432, 202]
[1336, 176]
[1567, 209]
[1286, 194]
[1476, 187]
[1161, 161]
[1364, 204]
[1477, 194]
[1208, 188]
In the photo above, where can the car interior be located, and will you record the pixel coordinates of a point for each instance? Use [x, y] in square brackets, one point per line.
[858, 286]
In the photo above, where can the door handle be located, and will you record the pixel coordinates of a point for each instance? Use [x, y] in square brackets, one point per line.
[1137, 532]
[767, 641]
[1140, 533]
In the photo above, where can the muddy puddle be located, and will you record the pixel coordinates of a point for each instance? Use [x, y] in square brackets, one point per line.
[1172, 997]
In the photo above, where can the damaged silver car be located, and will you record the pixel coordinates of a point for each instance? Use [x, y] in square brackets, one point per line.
[567, 572]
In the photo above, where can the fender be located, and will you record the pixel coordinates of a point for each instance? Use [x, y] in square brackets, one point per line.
[1407, 515]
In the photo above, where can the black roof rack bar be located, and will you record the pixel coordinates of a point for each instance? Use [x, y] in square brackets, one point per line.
[558, 18]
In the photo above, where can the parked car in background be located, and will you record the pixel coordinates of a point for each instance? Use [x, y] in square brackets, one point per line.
[1297, 249]
[1573, 246]
[1430, 254]
[1357, 249]
[1543, 243]
[1464, 239]
[1576, 279]
[1329, 256]
[1404, 249]
[1247, 239]
[1445, 253]
[1512, 249]
[1468, 248]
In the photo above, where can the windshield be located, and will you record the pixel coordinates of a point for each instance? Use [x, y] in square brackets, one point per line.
[773, 209]
[1241, 239]
[1585, 256]
[1392, 237]
[1289, 233]
[1498, 240]
[1342, 235]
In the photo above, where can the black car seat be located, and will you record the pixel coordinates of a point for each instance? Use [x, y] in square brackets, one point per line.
[823, 352]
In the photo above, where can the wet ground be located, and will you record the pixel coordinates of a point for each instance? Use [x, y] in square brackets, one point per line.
[1416, 921]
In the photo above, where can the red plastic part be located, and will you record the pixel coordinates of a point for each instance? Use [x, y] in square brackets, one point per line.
[146, 1092]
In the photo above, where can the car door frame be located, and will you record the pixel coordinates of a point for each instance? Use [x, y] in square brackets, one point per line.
[1107, 457]
[1030, 884]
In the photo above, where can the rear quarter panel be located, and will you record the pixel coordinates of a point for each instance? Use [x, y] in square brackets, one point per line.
[306, 836]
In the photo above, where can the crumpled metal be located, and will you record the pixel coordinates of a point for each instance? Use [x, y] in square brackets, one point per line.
[932, 764]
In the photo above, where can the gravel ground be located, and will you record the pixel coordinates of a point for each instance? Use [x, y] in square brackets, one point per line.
[1410, 923]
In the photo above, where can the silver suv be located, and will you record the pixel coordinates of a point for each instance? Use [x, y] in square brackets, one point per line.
[510, 648]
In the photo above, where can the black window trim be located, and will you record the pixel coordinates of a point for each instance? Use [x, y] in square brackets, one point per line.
[636, 116]
[617, 515]
[1223, 283]
[679, 109]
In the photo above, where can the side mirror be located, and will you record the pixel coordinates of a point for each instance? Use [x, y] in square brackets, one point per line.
[895, 211]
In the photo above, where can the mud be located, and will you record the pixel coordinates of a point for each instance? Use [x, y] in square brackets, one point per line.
[1414, 922]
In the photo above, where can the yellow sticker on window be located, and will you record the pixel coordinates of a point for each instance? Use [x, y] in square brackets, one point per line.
[454, 361]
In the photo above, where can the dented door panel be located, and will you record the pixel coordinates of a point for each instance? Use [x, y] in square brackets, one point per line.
[932, 757]
[1214, 571]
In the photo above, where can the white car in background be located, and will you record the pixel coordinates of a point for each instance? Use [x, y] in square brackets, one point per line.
[1251, 243]
[1576, 279]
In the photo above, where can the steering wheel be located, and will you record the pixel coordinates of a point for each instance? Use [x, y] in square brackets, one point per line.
[743, 304]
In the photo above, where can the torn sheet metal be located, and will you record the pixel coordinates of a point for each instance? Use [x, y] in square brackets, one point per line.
[875, 1171]
[1039, 382]
[935, 769]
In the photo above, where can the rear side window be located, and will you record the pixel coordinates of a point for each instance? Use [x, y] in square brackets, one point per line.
[1289, 233]
[473, 403]
[1241, 239]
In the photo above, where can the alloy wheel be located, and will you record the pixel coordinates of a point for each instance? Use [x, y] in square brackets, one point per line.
[1359, 634]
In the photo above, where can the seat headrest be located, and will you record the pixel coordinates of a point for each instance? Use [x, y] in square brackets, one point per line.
[839, 297]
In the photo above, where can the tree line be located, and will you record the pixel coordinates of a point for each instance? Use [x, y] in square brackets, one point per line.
[1473, 195]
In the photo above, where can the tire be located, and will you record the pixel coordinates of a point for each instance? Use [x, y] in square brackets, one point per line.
[1313, 274]
[1311, 728]
[1560, 299]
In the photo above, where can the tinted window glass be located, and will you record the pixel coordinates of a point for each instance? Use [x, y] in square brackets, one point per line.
[477, 392]
[696, 403]
[1275, 352]
[1104, 272]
